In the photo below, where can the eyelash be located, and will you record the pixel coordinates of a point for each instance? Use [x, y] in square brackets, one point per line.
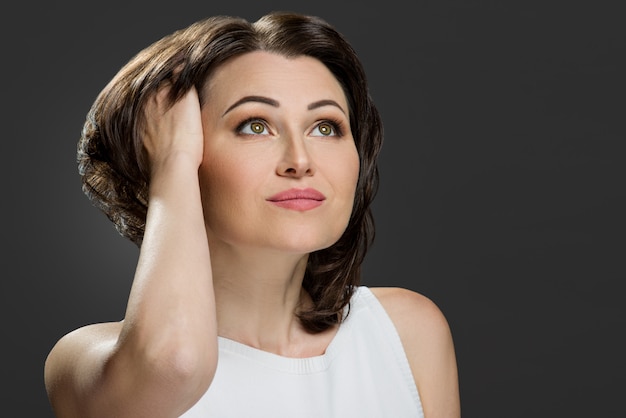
[336, 125]
[247, 121]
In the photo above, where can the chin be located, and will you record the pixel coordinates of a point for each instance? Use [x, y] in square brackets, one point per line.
[286, 237]
[304, 247]
[302, 242]
[298, 242]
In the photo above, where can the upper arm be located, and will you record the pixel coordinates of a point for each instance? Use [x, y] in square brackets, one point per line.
[427, 341]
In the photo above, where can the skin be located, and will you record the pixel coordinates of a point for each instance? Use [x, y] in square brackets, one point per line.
[212, 175]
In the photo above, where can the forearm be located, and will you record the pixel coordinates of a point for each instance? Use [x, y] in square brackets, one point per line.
[170, 324]
[172, 294]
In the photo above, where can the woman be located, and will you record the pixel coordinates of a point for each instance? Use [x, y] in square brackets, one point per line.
[241, 159]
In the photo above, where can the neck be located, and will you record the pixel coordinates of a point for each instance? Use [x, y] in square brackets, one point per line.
[257, 296]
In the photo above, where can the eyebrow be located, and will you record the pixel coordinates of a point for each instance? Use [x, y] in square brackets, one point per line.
[274, 103]
[246, 99]
[322, 103]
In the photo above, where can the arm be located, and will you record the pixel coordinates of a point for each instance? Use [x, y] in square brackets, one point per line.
[428, 344]
[161, 359]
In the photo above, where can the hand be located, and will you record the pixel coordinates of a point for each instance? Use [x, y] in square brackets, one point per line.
[173, 130]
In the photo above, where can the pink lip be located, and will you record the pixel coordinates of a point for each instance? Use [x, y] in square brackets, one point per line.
[298, 199]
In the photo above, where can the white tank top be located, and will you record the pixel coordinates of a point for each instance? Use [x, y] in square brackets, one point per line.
[363, 373]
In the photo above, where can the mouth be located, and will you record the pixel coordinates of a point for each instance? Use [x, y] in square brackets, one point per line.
[298, 199]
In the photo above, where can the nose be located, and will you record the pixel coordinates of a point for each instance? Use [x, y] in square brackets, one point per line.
[295, 160]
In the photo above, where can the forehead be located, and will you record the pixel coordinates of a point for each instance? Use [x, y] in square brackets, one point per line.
[273, 75]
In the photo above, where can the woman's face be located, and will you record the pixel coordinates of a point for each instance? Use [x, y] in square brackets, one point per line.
[280, 164]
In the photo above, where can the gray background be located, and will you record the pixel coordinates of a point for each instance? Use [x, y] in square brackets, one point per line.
[502, 194]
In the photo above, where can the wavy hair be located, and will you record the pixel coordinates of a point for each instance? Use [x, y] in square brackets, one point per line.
[114, 167]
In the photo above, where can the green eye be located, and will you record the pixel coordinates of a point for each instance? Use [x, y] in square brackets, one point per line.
[257, 127]
[252, 127]
[325, 129]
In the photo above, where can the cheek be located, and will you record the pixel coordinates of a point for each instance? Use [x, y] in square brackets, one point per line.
[354, 171]
[215, 185]
[227, 181]
[348, 172]
[351, 167]
[344, 173]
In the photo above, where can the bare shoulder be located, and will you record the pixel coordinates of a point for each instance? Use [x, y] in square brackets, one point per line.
[411, 312]
[71, 360]
[427, 341]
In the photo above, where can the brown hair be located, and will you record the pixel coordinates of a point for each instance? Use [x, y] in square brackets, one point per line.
[114, 168]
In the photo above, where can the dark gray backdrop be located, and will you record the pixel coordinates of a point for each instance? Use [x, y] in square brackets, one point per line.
[502, 194]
